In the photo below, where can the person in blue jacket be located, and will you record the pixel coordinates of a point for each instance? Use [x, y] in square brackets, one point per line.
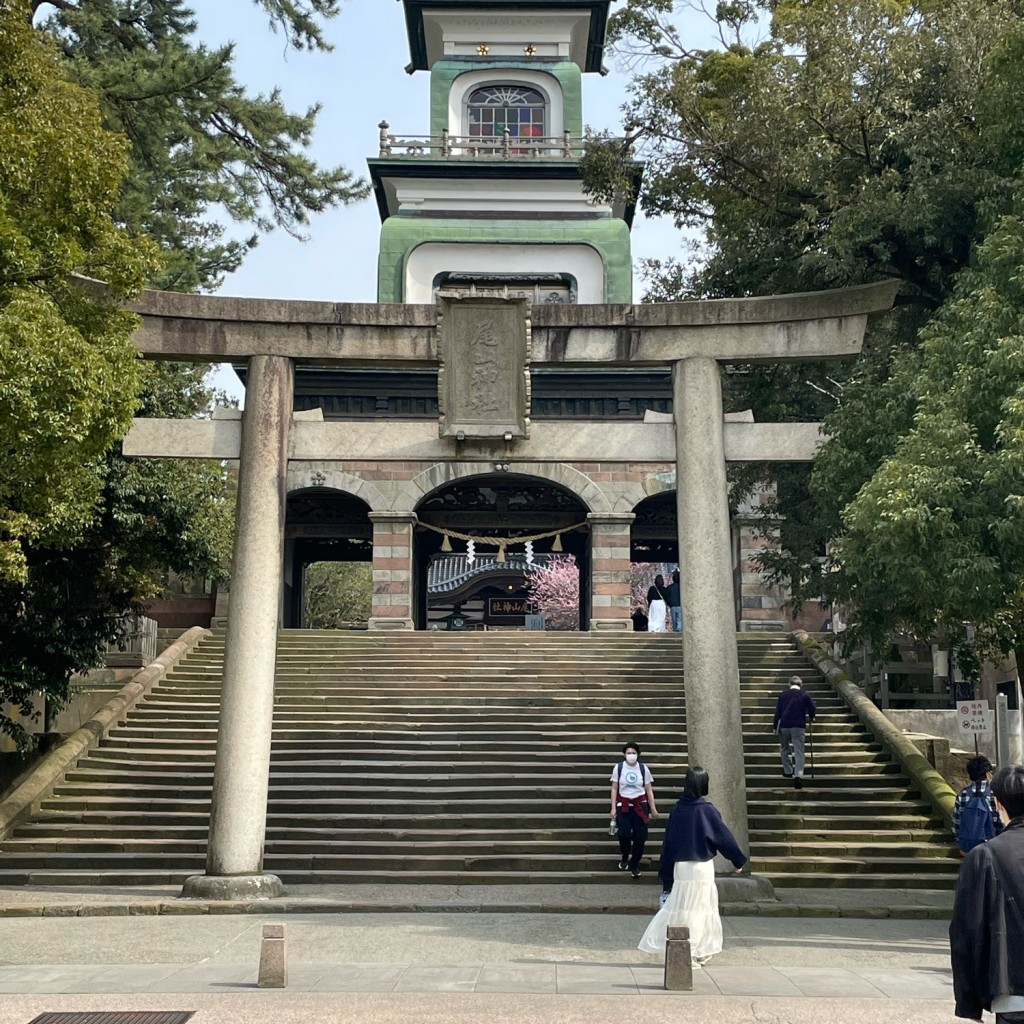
[694, 835]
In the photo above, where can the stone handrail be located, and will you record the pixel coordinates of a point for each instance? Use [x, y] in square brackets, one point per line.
[914, 763]
[25, 798]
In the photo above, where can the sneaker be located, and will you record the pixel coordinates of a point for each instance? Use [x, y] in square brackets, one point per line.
[798, 783]
[623, 865]
[635, 872]
[787, 775]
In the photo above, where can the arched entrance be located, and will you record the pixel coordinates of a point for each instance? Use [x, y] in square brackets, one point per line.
[321, 525]
[654, 535]
[654, 538]
[485, 591]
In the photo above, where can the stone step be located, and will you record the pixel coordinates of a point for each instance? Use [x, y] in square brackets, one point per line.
[452, 859]
[378, 876]
[444, 800]
[883, 818]
[64, 833]
[459, 738]
[120, 758]
[784, 879]
[96, 768]
[341, 844]
[387, 783]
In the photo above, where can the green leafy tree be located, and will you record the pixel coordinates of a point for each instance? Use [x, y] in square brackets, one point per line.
[68, 370]
[337, 594]
[188, 154]
[201, 146]
[828, 144]
[934, 538]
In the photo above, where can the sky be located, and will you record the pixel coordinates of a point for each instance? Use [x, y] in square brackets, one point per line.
[361, 82]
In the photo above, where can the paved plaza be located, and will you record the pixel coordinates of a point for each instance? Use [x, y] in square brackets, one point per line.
[483, 967]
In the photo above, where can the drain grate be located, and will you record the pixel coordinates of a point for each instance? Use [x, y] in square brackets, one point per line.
[116, 1017]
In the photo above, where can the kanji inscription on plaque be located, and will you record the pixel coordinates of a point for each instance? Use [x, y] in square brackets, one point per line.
[484, 378]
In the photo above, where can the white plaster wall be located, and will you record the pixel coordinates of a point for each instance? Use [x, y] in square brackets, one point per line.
[432, 258]
[547, 85]
[458, 33]
[511, 197]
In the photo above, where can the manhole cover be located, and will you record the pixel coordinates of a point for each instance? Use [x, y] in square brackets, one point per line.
[116, 1017]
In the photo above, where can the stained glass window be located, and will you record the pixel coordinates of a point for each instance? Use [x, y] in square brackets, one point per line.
[515, 108]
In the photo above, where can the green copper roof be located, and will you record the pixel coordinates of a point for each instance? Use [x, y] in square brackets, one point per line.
[415, 9]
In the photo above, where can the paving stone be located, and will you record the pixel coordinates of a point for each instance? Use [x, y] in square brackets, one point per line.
[130, 977]
[751, 981]
[361, 978]
[209, 978]
[593, 979]
[517, 978]
[911, 984]
[831, 983]
[438, 979]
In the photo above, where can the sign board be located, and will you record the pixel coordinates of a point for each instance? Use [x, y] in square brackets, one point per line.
[505, 607]
[973, 718]
[483, 380]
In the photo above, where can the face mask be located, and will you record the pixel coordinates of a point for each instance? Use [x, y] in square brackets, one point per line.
[631, 759]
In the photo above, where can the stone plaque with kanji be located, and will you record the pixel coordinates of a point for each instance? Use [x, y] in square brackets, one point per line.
[484, 377]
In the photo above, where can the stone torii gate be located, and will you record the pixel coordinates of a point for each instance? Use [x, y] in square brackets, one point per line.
[693, 338]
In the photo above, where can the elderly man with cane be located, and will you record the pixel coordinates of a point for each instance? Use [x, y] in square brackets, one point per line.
[794, 710]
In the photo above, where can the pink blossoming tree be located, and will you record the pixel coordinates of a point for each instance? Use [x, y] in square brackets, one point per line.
[555, 588]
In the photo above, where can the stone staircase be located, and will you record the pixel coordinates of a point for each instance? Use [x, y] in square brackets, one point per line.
[422, 757]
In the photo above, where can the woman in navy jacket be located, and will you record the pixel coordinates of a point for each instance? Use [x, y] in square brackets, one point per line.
[694, 835]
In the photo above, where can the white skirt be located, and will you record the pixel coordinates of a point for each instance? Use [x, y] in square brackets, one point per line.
[656, 617]
[693, 902]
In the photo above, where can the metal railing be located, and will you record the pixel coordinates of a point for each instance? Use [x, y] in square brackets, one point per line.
[481, 147]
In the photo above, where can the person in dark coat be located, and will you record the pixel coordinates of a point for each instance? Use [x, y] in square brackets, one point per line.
[694, 835]
[986, 933]
[675, 603]
[793, 710]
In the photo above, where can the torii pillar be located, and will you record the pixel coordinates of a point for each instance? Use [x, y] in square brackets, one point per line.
[241, 776]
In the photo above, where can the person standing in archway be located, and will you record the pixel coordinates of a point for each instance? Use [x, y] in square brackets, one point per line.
[657, 605]
[675, 603]
[632, 807]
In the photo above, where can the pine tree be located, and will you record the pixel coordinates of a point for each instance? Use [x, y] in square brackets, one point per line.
[200, 143]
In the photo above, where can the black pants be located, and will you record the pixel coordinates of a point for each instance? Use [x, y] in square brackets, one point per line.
[632, 837]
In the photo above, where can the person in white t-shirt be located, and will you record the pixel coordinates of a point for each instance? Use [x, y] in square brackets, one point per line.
[632, 807]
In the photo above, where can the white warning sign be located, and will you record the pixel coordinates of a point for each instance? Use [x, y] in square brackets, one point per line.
[974, 718]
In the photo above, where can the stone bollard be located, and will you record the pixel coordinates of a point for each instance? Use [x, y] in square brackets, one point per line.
[678, 965]
[274, 958]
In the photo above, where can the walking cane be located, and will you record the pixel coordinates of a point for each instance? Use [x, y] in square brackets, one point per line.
[810, 746]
